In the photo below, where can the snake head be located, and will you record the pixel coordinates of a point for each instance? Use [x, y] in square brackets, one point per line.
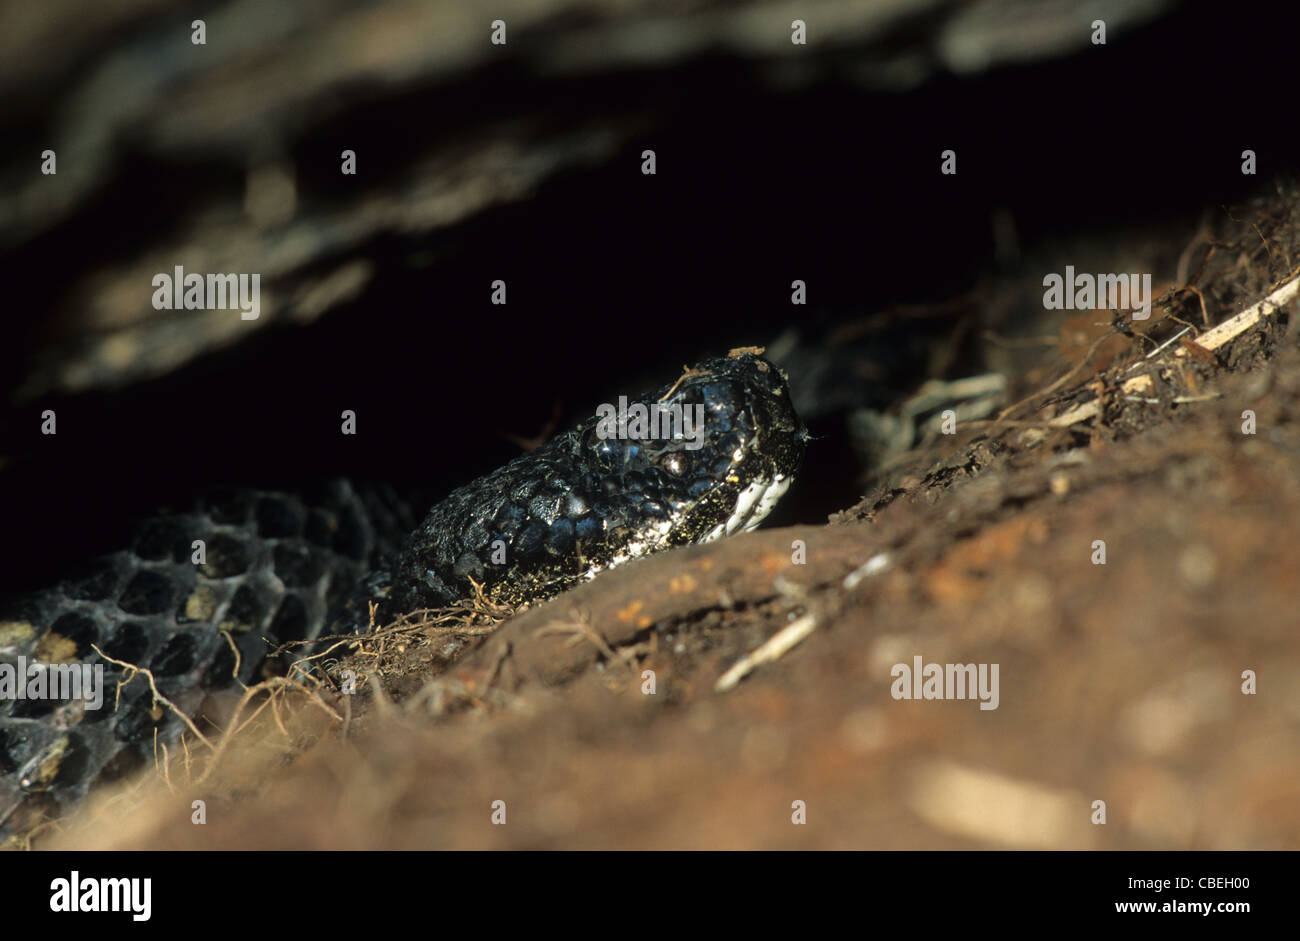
[704, 457]
[753, 445]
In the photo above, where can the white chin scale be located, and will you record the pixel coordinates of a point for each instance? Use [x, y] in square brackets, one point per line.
[752, 506]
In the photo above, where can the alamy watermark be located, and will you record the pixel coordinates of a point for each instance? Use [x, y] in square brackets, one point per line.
[76, 893]
[656, 421]
[1085, 291]
[946, 681]
[181, 291]
[57, 681]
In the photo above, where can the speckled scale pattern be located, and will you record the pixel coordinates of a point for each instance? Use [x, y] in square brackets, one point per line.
[583, 503]
[275, 565]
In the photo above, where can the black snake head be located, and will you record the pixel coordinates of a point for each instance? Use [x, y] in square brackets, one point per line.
[703, 457]
[751, 446]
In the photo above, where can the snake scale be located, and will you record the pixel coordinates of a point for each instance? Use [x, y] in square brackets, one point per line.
[279, 567]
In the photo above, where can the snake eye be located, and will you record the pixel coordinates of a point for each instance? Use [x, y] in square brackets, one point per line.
[608, 454]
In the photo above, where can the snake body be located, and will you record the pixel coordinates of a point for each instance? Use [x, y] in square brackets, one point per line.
[277, 567]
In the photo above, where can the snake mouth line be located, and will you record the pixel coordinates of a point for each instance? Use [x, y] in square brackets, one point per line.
[753, 505]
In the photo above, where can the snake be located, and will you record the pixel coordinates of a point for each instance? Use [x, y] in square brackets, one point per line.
[200, 597]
